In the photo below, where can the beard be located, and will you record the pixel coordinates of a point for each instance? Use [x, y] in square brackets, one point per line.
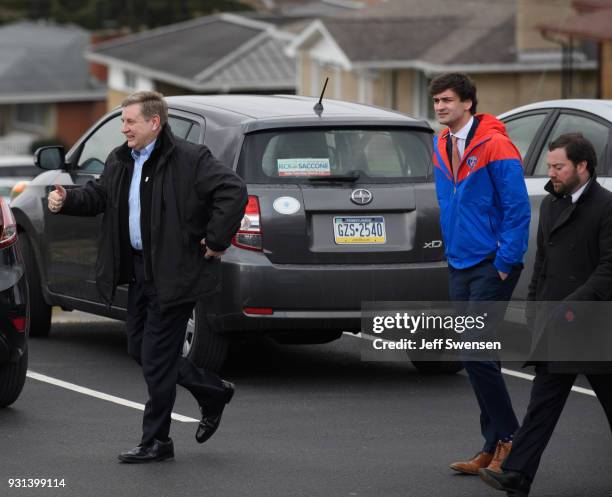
[567, 188]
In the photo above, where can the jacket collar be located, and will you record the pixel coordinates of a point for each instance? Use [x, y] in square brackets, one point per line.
[567, 212]
[164, 145]
[445, 143]
[589, 188]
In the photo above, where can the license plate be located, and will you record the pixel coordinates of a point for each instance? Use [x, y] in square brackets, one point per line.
[359, 230]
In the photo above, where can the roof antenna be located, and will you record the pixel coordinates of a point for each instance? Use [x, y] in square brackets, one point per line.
[318, 108]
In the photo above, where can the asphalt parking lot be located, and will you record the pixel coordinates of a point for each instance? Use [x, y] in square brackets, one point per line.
[310, 421]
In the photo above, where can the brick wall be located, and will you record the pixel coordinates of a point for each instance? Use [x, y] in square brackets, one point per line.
[74, 118]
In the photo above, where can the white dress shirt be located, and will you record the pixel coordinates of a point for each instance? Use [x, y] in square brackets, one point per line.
[577, 193]
[462, 135]
[140, 157]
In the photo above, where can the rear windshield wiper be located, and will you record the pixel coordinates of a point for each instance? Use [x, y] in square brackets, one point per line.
[349, 176]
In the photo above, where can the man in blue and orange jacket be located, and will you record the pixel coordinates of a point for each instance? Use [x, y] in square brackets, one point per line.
[484, 214]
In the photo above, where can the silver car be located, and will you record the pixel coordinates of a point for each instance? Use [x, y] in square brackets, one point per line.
[531, 128]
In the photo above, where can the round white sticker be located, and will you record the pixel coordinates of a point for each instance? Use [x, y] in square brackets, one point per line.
[286, 205]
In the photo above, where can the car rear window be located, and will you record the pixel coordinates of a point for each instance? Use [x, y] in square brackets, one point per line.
[374, 155]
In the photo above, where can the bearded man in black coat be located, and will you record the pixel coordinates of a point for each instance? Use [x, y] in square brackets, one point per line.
[573, 265]
[170, 210]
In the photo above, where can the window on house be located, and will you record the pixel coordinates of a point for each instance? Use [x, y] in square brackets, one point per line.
[129, 79]
[31, 114]
[422, 102]
[430, 113]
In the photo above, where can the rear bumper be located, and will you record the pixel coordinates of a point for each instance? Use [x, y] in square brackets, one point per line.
[317, 297]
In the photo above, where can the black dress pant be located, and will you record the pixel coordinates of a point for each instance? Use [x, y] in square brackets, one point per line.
[548, 396]
[155, 341]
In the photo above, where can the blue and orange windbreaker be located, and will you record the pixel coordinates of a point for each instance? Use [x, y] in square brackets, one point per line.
[486, 213]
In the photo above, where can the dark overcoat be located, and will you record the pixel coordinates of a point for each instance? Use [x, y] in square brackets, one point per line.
[573, 264]
[194, 196]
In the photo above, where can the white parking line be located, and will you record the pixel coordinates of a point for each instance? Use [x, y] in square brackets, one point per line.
[509, 372]
[530, 377]
[100, 395]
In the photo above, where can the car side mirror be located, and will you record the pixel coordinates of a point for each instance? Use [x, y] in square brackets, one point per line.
[50, 158]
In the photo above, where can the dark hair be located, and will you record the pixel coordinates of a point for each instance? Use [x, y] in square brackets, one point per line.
[577, 148]
[459, 82]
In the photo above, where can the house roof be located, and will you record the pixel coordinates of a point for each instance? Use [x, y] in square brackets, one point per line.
[491, 46]
[594, 25]
[590, 5]
[389, 9]
[202, 54]
[42, 62]
[387, 38]
[318, 8]
[433, 35]
[265, 63]
[309, 7]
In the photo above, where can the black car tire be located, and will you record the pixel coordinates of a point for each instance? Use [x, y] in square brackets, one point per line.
[12, 379]
[438, 367]
[205, 345]
[40, 311]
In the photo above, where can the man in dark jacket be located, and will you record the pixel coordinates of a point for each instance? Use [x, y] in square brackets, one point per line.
[484, 215]
[573, 264]
[170, 210]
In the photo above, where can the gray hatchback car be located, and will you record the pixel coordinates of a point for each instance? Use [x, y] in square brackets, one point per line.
[341, 210]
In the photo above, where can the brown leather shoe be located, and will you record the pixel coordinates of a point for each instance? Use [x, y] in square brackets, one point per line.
[471, 467]
[501, 452]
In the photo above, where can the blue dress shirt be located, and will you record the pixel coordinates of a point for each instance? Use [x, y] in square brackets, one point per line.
[140, 157]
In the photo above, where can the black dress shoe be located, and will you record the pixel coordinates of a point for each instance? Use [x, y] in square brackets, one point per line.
[157, 451]
[515, 484]
[210, 421]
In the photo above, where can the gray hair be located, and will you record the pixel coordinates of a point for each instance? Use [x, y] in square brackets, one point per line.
[152, 103]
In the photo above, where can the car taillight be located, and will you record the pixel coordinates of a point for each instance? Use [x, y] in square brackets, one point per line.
[8, 229]
[249, 234]
[19, 324]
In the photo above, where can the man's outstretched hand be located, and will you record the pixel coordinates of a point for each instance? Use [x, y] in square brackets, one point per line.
[56, 198]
